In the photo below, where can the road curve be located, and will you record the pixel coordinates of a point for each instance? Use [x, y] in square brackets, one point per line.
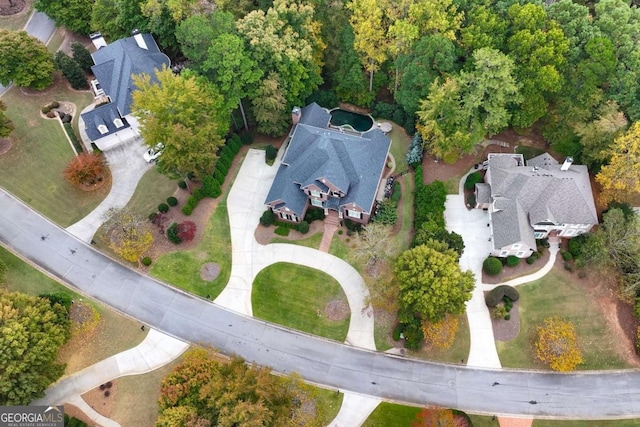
[509, 392]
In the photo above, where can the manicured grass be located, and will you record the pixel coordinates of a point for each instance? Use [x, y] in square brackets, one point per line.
[339, 248]
[484, 421]
[114, 333]
[32, 169]
[458, 351]
[56, 40]
[296, 296]
[153, 189]
[391, 414]
[136, 400]
[586, 423]
[328, 404]
[182, 268]
[15, 23]
[452, 184]
[555, 295]
[309, 242]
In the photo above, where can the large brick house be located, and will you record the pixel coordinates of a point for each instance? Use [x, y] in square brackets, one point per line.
[328, 168]
[534, 200]
[111, 122]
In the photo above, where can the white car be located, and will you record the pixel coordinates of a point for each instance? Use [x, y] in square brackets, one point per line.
[153, 153]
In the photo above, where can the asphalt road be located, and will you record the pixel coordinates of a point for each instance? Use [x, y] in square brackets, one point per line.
[581, 395]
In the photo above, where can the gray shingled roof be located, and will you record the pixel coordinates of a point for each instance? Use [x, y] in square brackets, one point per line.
[118, 61]
[352, 163]
[483, 193]
[542, 191]
[103, 115]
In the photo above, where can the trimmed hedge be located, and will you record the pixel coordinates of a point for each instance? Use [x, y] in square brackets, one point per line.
[492, 266]
[270, 153]
[512, 261]
[163, 208]
[499, 292]
[187, 209]
[282, 231]
[210, 187]
[303, 227]
[472, 180]
[146, 261]
[182, 185]
[267, 218]
[172, 201]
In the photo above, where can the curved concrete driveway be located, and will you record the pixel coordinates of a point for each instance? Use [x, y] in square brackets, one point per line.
[245, 205]
[579, 395]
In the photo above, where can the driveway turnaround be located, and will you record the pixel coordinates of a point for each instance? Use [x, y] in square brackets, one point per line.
[586, 395]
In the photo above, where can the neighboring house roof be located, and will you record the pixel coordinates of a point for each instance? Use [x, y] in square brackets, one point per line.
[118, 61]
[483, 193]
[538, 192]
[102, 115]
[351, 163]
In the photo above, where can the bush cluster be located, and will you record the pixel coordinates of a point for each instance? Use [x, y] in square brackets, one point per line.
[270, 153]
[501, 293]
[492, 266]
[314, 214]
[472, 180]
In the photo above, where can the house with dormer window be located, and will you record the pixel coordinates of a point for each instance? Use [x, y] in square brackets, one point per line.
[111, 122]
[329, 169]
[534, 200]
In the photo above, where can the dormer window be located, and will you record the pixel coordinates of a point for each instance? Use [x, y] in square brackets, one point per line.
[315, 193]
[118, 123]
[103, 129]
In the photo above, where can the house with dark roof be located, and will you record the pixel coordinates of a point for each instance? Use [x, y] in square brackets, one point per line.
[533, 200]
[328, 168]
[111, 122]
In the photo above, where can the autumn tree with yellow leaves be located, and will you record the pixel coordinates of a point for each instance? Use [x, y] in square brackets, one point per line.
[620, 179]
[129, 234]
[556, 345]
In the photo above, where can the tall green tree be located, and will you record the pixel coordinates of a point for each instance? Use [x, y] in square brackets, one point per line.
[185, 113]
[597, 135]
[25, 60]
[431, 282]
[370, 42]
[115, 19]
[6, 125]
[483, 28]
[82, 56]
[196, 33]
[33, 330]
[431, 57]
[73, 14]
[538, 47]
[71, 70]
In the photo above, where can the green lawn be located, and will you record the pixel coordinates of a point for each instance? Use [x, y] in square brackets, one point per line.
[153, 189]
[391, 414]
[15, 23]
[296, 296]
[182, 268]
[32, 169]
[484, 421]
[554, 295]
[328, 404]
[309, 242]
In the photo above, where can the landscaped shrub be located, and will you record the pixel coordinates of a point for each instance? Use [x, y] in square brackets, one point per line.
[246, 139]
[472, 180]
[567, 256]
[54, 104]
[397, 192]
[51, 114]
[61, 298]
[146, 261]
[172, 233]
[86, 169]
[198, 195]
[187, 209]
[568, 267]
[282, 231]
[82, 56]
[397, 331]
[182, 185]
[267, 218]
[74, 139]
[531, 259]
[186, 231]
[210, 187]
[575, 245]
[492, 266]
[498, 294]
[507, 317]
[303, 227]
[471, 200]
[416, 152]
[45, 109]
[388, 213]
[163, 208]
[218, 176]
[499, 312]
[160, 220]
[352, 225]
[193, 201]
[270, 153]
[71, 70]
[172, 201]
[314, 214]
[512, 261]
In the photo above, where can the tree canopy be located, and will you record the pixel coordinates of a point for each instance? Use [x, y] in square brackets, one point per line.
[25, 60]
[6, 125]
[33, 330]
[185, 113]
[431, 282]
[620, 178]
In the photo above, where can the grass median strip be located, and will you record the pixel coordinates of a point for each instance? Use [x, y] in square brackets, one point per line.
[301, 298]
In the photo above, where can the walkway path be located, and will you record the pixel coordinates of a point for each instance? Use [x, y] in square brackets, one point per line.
[554, 248]
[355, 410]
[155, 351]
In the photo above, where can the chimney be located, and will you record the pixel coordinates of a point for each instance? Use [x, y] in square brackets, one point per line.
[97, 40]
[139, 39]
[567, 164]
[296, 113]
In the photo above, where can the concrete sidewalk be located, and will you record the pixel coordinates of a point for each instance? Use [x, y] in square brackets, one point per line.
[156, 350]
[355, 410]
[245, 205]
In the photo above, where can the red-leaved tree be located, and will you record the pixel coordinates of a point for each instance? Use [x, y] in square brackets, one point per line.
[86, 169]
[186, 231]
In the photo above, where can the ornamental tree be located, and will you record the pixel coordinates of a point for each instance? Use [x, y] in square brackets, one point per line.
[33, 330]
[86, 169]
[129, 234]
[556, 344]
[431, 282]
[24, 60]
